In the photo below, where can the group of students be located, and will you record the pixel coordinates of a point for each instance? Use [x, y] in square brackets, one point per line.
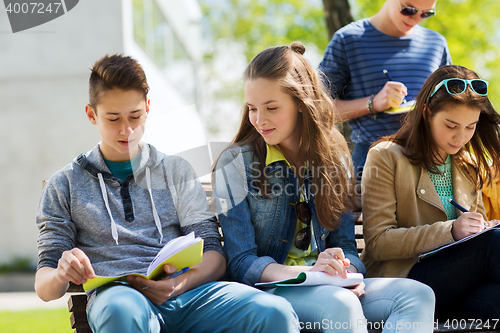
[283, 191]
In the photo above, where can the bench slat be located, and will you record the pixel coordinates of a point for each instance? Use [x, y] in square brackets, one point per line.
[358, 231]
[75, 288]
[78, 319]
[77, 302]
[82, 330]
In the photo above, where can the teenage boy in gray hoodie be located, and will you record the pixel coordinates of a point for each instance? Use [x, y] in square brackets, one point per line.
[109, 213]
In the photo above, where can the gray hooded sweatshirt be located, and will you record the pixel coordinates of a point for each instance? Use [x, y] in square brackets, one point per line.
[121, 225]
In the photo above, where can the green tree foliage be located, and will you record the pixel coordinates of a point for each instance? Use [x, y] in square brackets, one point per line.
[237, 31]
[472, 30]
[258, 24]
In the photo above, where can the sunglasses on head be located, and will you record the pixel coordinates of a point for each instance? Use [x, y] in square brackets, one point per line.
[410, 11]
[303, 238]
[458, 86]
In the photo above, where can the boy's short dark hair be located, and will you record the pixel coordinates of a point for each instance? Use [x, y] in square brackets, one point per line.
[116, 71]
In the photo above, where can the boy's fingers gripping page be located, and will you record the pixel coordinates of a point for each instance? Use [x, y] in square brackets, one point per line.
[169, 269]
[85, 262]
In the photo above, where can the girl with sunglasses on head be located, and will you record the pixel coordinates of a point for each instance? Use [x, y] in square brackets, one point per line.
[446, 143]
[354, 64]
[282, 190]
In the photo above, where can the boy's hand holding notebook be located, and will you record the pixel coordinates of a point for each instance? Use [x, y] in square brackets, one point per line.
[182, 252]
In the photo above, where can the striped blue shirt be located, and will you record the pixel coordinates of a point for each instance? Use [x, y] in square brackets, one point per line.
[358, 53]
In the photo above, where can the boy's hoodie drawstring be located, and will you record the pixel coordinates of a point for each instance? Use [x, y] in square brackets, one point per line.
[114, 232]
[104, 193]
[155, 214]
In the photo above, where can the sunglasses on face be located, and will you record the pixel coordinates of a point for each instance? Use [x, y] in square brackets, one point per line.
[458, 86]
[303, 238]
[410, 11]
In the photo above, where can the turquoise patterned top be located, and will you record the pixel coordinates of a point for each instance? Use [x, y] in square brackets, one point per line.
[443, 183]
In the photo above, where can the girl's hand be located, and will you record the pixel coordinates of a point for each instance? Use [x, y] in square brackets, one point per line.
[467, 224]
[391, 96]
[492, 223]
[333, 262]
[74, 266]
[359, 290]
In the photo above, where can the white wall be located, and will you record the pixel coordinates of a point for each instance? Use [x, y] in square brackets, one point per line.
[174, 124]
[44, 75]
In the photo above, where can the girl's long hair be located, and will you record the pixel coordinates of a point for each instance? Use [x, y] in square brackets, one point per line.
[322, 146]
[416, 136]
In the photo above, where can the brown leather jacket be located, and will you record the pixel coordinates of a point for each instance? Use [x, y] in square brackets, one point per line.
[402, 213]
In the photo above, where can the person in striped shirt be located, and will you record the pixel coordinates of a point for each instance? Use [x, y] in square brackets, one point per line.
[356, 57]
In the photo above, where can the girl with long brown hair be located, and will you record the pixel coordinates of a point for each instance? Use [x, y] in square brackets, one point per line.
[282, 191]
[412, 183]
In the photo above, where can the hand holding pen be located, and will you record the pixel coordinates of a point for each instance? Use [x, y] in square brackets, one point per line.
[466, 224]
[179, 272]
[161, 290]
[390, 96]
[390, 79]
[462, 209]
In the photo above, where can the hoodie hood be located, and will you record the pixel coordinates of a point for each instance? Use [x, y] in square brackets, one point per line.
[93, 163]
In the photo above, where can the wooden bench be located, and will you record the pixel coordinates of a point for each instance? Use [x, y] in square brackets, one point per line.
[77, 302]
[77, 306]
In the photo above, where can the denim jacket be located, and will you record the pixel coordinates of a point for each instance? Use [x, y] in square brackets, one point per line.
[258, 230]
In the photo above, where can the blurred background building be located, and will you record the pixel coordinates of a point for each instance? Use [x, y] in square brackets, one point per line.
[44, 75]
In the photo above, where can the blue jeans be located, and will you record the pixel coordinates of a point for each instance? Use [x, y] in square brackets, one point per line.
[212, 307]
[359, 153]
[465, 278]
[403, 305]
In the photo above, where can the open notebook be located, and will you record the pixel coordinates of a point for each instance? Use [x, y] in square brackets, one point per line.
[314, 279]
[184, 251]
[426, 254]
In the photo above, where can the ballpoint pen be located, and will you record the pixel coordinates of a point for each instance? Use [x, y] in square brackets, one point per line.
[457, 206]
[390, 79]
[462, 209]
[179, 272]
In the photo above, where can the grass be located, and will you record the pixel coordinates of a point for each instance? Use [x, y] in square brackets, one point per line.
[35, 321]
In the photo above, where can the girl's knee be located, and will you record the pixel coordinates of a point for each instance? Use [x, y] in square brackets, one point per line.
[399, 293]
[419, 292]
[339, 301]
[275, 308]
[426, 294]
[412, 294]
[269, 313]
